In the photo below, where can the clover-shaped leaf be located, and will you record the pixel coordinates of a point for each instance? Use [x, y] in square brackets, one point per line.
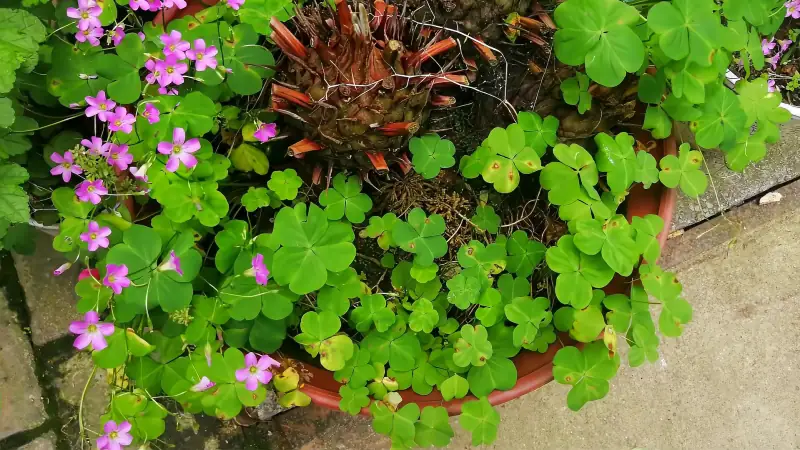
[398, 425]
[285, 183]
[612, 238]
[510, 155]
[256, 198]
[358, 370]
[422, 236]
[587, 323]
[661, 285]
[491, 259]
[624, 313]
[311, 246]
[497, 374]
[433, 427]
[763, 106]
[675, 313]
[486, 219]
[316, 327]
[576, 92]
[647, 230]
[373, 310]
[341, 287]
[454, 387]
[688, 79]
[463, 291]
[578, 272]
[491, 311]
[529, 315]
[353, 399]
[472, 165]
[403, 281]
[397, 347]
[598, 33]
[473, 348]
[646, 169]
[250, 63]
[523, 254]
[431, 154]
[423, 316]
[345, 200]
[616, 157]
[424, 274]
[564, 179]
[687, 28]
[248, 158]
[684, 171]
[539, 134]
[645, 346]
[588, 372]
[658, 122]
[381, 228]
[722, 119]
[480, 418]
[749, 148]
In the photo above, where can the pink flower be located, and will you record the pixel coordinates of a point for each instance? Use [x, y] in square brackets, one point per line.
[173, 45]
[774, 61]
[771, 86]
[256, 371]
[89, 273]
[171, 71]
[96, 237]
[92, 35]
[145, 5]
[259, 270]
[793, 9]
[203, 385]
[90, 191]
[116, 277]
[116, 35]
[767, 46]
[784, 43]
[86, 13]
[266, 131]
[179, 150]
[141, 35]
[151, 113]
[140, 173]
[155, 71]
[116, 437]
[122, 120]
[180, 4]
[165, 91]
[91, 331]
[171, 263]
[95, 146]
[234, 4]
[66, 166]
[202, 56]
[62, 268]
[100, 106]
[119, 157]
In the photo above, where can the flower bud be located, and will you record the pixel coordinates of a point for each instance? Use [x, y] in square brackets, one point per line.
[610, 340]
[62, 268]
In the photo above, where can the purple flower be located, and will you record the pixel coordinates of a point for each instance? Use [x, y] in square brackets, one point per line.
[203, 385]
[140, 173]
[96, 237]
[91, 331]
[259, 270]
[100, 106]
[173, 45]
[180, 4]
[141, 36]
[784, 43]
[171, 71]
[771, 86]
[116, 437]
[66, 166]
[767, 46]
[256, 371]
[62, 268]
[793, 9]
[116, 277]
[90, 191]
[86, 13]
[155, 71]
[92, 35]
[266, 131]
[202, 56]
[95, 146]
[179, 150]
[234, 4]
[116, 35]
[119, 157]
[145, 5]
[122, 120]
[171, 263]
[774, 61]
[165, 91]
[151, 113]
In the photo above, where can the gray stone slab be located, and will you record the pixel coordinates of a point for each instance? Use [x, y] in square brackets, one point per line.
[46, 442]
[51, 300]
[73, 375]
[20, 395]
[729, 189]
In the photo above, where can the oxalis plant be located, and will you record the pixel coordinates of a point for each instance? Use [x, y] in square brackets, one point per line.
[200, 294]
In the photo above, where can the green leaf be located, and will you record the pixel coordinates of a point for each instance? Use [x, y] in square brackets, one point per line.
[722, 119]
[529, 315]
[19, 43]
[578, 272]
[486, 219]
[479, 418]
[353, 399]
[661, 285]
[463, 291]
[652, 87]
[763, 107]
[588, 372]
[473, 348]
[657, 122]
[316, 327]
[749, 148]
[561, 178]
[646, 169]
[587, 324]
[539, 134]
[616, 157]
[473, 165]
[509, 156]
[491, 259]
[647, 230]
[433, 427]
[249, 62]
[373, 310]
[255, 198]
[115, 354]
[454, 387]
[267, 335]
[311, 246]
[345, 200]
[612, 238]
[248, 158]
[423, 316]
[523, 254]
[598, 33]
[399, 425]
[285, 183]
[684, 170]
[424, 274]
[422, 236]
[194, 113]
[576, 92]
[686, 28]
[675, 313]
[259, 12]
[431, 154]
[381, 228]
[13, 199]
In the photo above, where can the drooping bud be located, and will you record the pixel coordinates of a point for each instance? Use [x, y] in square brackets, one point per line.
[610, 340]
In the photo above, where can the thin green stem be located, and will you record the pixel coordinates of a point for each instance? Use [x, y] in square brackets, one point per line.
[82, 431]
[49, 125]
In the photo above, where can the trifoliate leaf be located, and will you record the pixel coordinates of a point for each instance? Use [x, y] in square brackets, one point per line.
[399, 425]
[285, 183]
[424, 274]
[422, 236]
[486, 219]
[423, 316]
[529, 315]
[576, 92]
[646, 169]
[523, 254]
[480, 418]
[616, 157]
[539, 134]
[722, 119]
[473, 348]
[463, 291]
[764, 107]
[588, 372]
[473, 165]
[684, 170]
[433, 427]
[256, 198]
[564, 179]
[578, 272]
[381, 228]
[647, 231]
[686, 28]
[612, 238]
[431, 154]
[353, 399]
[509, 156]
[345, 199]
[454, 387]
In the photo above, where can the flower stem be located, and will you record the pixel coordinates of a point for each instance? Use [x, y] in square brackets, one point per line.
[49, 125]
[82, 431]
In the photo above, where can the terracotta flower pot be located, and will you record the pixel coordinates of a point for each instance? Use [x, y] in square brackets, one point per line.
[534, 370]
[193, 7]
